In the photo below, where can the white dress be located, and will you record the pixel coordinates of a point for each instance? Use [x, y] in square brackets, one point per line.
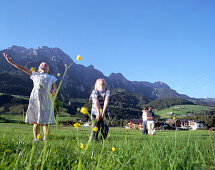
[41, 106]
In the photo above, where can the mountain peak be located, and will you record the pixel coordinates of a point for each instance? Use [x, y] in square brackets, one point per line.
[117, 76]
[160, 84]
[49, 48]
[17, 48]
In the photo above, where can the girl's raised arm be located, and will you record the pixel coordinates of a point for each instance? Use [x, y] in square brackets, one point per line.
[16, 65]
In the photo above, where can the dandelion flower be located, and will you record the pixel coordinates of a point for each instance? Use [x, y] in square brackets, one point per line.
[174, 118]
[38, 136]
[76, 125]
[58, 74]
[78, 109]
[95, 129]
[84, 110]
[79, 58]
[82, 146]
[113, 149]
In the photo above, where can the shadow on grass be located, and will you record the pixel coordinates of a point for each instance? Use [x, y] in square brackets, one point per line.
[5, 120]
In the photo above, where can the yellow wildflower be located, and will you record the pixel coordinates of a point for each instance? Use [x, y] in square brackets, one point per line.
[84, 110]
[82, 146]
[78, 109]
[58, 74]
[113, 149]
[79, 58]
[174, 118]
[38, 136]
[76, 125]
[95, 129]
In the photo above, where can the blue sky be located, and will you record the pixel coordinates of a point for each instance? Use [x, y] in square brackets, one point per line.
[146, 40]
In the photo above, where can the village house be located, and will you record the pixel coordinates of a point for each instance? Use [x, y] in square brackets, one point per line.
[180, 123]
[212, 129]
[184, 124]
[160, 125]
[170, 124]
[169, 113]
[170, 121]
[196, 124]
[134, 124]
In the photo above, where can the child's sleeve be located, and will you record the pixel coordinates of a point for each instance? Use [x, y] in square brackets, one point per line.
[33, 75]
[54, 79]
[108, 95]
[93, 95]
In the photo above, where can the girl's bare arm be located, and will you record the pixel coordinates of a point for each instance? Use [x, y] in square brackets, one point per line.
[97, 106]
[105, 106]
[16, 65]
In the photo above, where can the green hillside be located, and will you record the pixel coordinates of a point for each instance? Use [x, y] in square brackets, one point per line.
[184, 110]
[164, 103]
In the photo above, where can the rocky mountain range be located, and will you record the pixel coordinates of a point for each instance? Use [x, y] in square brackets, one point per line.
[79, 80]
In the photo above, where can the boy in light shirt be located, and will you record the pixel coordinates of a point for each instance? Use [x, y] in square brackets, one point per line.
[145, 118]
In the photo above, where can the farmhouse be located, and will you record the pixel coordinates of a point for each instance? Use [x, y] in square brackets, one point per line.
[186, 124]
[163, 126]
[196, 124]
[134, 124]
[169, 113]
[183, 124]
[172, 122]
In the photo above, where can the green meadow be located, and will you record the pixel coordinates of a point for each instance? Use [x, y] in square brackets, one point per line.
[182, 110]
[165, 150]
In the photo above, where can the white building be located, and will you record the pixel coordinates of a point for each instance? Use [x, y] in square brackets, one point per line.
[195, 124]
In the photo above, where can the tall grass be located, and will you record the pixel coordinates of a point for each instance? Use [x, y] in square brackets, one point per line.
[165, 150]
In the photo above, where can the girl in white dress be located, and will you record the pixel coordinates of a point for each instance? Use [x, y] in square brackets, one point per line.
[41, 106]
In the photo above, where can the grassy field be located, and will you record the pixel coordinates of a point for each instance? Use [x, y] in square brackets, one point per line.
[165, 150]
[182, 110]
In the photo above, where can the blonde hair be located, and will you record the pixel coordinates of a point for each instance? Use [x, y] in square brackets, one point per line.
[104, 84]
[48, 70]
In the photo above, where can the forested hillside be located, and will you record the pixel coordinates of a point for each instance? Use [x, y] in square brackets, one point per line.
[160, 104]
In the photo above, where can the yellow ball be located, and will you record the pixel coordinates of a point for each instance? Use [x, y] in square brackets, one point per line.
[33, 70]
[79, 58]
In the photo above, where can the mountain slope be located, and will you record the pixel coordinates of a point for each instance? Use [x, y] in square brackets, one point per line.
[79, 80]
